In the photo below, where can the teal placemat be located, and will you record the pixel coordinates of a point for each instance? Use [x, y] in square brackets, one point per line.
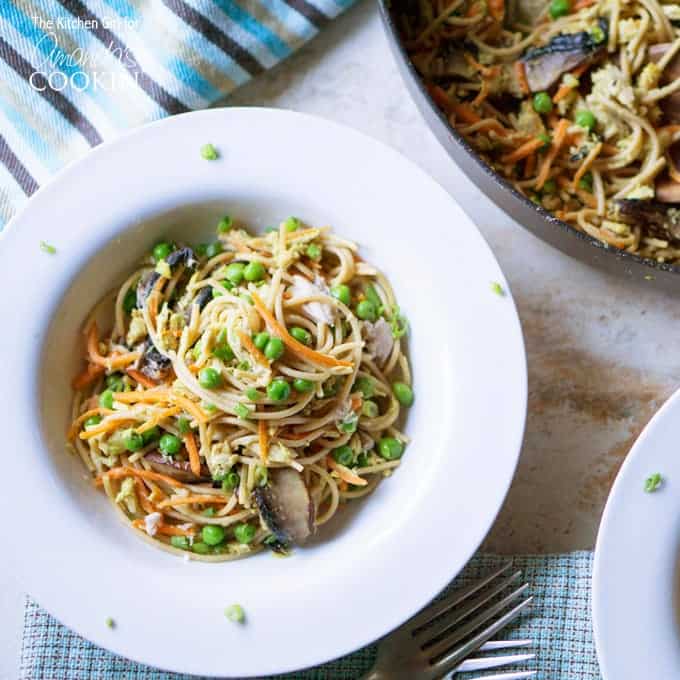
[559, 624]
[74, 73]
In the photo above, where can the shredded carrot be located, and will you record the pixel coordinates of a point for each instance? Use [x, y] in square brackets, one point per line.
[441, 98]
[562, 92]
[582, 4]
[158, 418]
[556, 145]
[302, 351]
[165, 529]
[587, 162]
[263, 437]
[530, 165]
[75, 425]
[105, 427]
[161, 394]
[345, 473]
[523, 151]
[95, 356]
[482, 94]
[190, 500]
[139, 377]
[247, 342]
[87, 376]
[355, 403]
[466, 114]
[127, 471]
[194, 458]
[521, 73]
[146, 504]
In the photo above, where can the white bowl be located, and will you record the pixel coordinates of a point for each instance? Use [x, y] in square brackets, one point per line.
[383, 560]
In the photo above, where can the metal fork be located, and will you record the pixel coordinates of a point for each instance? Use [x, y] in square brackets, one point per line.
[441, 638]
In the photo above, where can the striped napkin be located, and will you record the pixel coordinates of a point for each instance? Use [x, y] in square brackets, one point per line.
[558, 623]
[74, 73]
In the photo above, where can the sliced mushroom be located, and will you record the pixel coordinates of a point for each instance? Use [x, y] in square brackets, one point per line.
[177, 469]
[285, 506]
[667, 189]
[204, 296]
[183, 256]
[544, 66]
[145, 286]
[670, 106]
[662, 219]
[153, 364]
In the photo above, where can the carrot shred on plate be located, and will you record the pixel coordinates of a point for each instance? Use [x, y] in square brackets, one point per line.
[127, 471]
[247, 342]
[345, 473]
[139, 377]
[86, 377]
[194, 457]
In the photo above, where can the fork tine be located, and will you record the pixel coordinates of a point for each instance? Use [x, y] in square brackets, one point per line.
[436, 610]
[453, 617]
[451, 660]
[504, 644]
[522, 675]
[461, 632]
[485, 663]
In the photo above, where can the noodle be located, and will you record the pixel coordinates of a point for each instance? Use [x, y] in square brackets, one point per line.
[267, 353]
[609, 70]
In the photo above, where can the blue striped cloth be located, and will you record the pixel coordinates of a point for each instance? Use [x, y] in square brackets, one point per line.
[558, 623]
[74, 73]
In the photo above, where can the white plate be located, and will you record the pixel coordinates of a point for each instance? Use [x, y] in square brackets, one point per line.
[385, 559]
[636, 571]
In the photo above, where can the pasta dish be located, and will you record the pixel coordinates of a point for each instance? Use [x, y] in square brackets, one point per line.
[243, 390]
[575, 102]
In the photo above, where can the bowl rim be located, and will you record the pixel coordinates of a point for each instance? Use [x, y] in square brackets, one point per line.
[386, 8]
[197, 125]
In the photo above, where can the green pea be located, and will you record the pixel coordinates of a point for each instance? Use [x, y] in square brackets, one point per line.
[93, 420]
[209, 512]
[254, 271]
[550, 186]
[183, 425]
[278, 390]
[301, 335]
[130, 301]
[214, 248]
[223, 352]
[302, 385]
[349, 425]
[227, 284]
[241, 411]
[542, 102]
[585, 119]
[342, 293]
[403, 393]
[181, 542]
[209, 152]
[367, 311]
[366, 386]
[209, 377]
[253, 394]
[133, 440]
[314, 252]
[597, 34]
[558, 8]
[260, 340]
[115, 382]
[274, 348]
[201, 548]
[390, 448]
[231, 481]
[369, 409]
[586, 182]
[169, 444]
[235, 613]
[291, 224]
[372, 296]
[225, 225]
[200, 249]
[234, 272]
[106, 399]
[362, 460]
[546, 139]
[244, 533]
[161, 251]
[151, 435]
[343, 455]
[212, 534]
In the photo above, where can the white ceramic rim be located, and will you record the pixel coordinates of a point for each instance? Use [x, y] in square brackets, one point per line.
[492, 337]
[635, 571]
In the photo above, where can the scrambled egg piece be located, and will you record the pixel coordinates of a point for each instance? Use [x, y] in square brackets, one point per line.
[137, 330]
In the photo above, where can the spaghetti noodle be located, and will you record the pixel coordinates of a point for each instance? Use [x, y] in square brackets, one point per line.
[575, 102]
[245, 391]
